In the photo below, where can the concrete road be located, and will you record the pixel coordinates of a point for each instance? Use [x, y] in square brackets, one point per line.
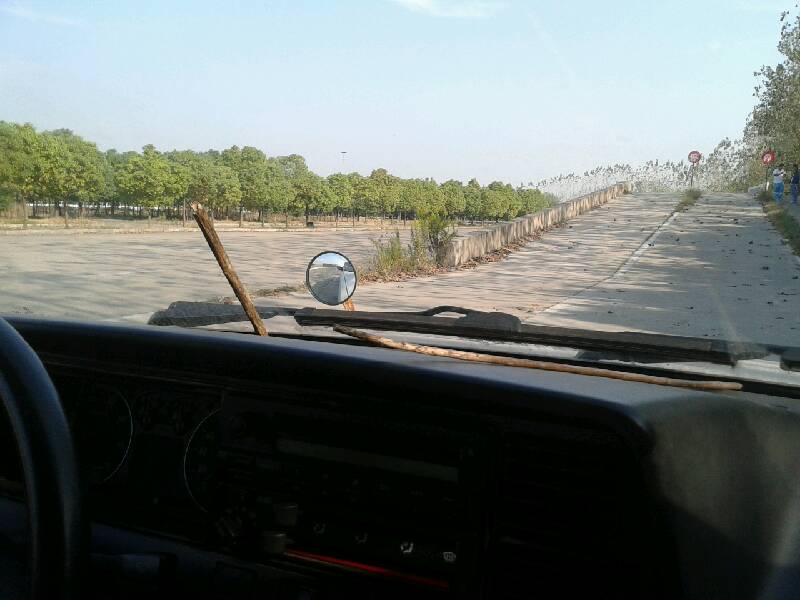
[718, 270]
[561, 264]
[105, 276]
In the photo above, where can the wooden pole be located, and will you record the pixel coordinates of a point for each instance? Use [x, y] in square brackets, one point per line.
[535, 364]
[207, 227]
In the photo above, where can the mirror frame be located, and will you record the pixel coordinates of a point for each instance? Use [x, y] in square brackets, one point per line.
[308, 271]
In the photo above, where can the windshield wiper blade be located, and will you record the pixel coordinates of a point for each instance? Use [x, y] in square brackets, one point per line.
[199, 314]
[502, 327]
[494, 326]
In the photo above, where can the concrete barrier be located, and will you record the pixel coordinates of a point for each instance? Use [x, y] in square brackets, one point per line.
[479, 243]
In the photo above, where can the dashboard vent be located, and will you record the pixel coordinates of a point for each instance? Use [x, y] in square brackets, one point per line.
[572, 516]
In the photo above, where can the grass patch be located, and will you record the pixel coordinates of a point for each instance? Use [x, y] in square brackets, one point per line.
[785, 223]
[689, 198]
[395, 261]
[423, 255]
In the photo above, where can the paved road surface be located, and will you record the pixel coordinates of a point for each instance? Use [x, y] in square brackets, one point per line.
[718, 270]
[561, 264]
[115, 275]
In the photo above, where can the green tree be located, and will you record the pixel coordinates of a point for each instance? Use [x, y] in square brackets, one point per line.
[454, 200]
[113, 163]
[431, 200]
[365, 196]
[294, 166]
[227, 193]
[384, 192]
[532, 200]
[776, 116]
[494, 201]
[70, 169]
[341, 187]
[409, 197]
[19, 152]
[60, 166]
[510, 202]
[473, 200]
[301, 187]
[250, 165]
[109, 195]
[514, 207]
[151, 180]
[356, 181]
[213, 185]
[279, 193]
[328, 198]
[308, 193]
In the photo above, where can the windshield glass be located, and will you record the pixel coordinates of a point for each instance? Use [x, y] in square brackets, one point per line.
[590, 165]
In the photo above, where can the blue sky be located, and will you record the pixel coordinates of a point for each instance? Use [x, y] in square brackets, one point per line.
[509, 90]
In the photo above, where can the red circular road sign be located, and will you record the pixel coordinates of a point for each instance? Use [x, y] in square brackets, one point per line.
[694, 157]
[768, 158]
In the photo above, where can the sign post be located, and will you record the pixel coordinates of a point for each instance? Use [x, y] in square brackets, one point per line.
[767, 159]
[694, 158]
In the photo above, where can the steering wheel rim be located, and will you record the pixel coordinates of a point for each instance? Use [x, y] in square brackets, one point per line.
[49, 466]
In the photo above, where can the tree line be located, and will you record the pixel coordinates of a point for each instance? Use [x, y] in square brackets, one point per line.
[726, 168]
[60, 171]
[774, 122]
[733, 165]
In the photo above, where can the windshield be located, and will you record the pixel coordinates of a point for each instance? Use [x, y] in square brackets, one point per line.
[587, 165]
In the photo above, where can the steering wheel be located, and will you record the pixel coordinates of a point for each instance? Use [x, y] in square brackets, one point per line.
[49, 466]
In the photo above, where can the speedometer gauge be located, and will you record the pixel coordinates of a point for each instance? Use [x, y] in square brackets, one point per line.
[103, 427]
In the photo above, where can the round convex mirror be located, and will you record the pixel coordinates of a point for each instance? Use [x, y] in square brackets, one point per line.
[331, 278]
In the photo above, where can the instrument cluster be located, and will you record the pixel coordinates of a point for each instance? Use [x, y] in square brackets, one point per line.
[117, 425]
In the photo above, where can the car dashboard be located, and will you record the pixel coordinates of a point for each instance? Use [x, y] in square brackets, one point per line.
[230, 466]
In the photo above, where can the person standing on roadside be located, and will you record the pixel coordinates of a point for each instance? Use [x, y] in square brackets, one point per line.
[777, 183]
[795, 183]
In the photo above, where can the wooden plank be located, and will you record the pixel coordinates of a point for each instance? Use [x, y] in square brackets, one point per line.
[537, 364]
[207, 227]
[626, 343]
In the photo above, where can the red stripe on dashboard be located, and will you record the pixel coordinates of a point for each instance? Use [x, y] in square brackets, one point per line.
[365, 568]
